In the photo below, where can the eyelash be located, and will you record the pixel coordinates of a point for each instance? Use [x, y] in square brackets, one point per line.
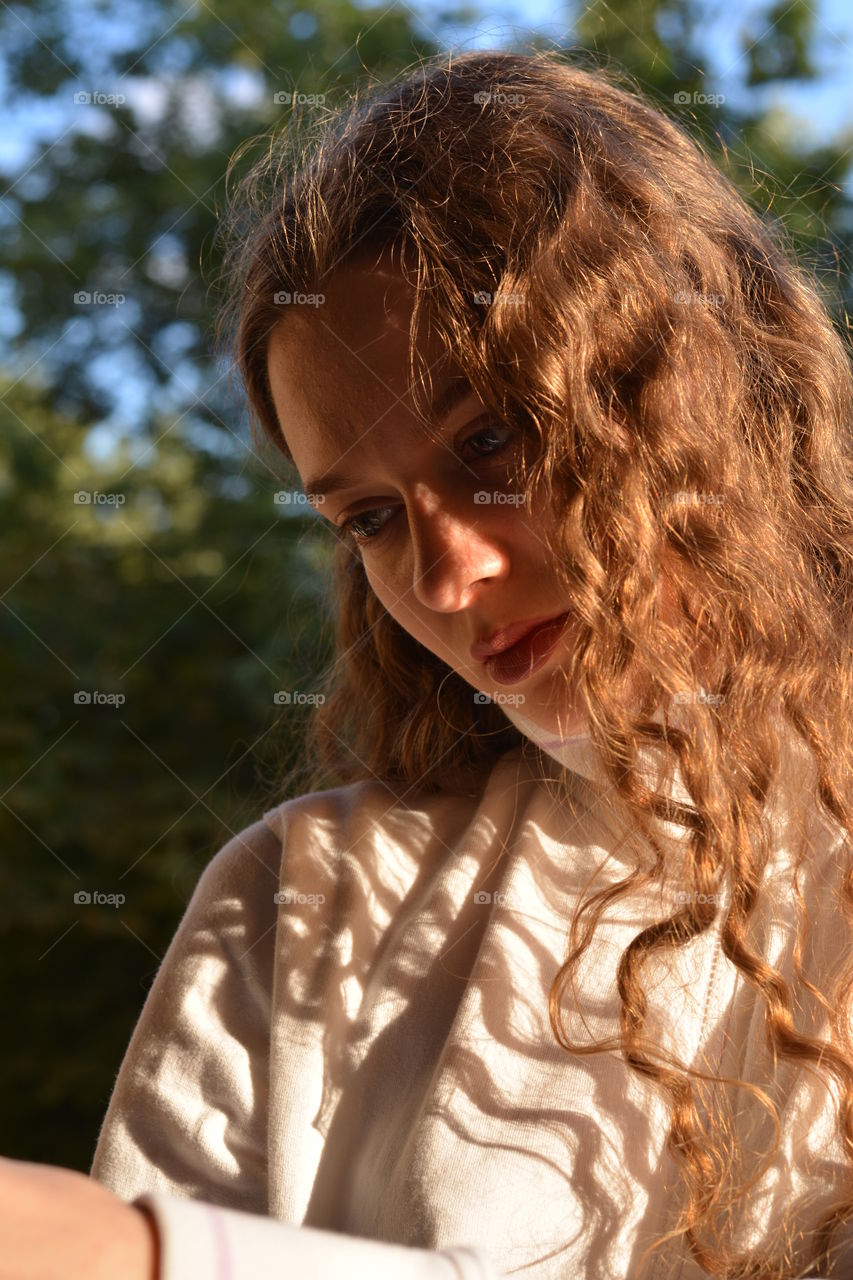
[346, 526]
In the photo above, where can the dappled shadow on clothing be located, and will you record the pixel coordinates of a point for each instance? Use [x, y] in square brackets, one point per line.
[448, 1111]
[415, 996]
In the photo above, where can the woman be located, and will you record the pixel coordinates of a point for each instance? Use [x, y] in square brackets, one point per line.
[579, 423]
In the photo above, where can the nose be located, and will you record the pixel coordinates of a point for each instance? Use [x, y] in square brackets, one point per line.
[455, 550]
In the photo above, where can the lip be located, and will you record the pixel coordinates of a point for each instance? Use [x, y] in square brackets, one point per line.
[524, 658]
[507, 636]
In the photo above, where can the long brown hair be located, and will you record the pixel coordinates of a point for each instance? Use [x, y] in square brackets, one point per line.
[688, 402]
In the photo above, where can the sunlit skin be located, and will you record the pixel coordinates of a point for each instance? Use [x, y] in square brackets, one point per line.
[57, 1222]
[449, 570]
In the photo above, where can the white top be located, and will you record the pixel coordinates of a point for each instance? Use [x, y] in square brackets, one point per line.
[368, 1063]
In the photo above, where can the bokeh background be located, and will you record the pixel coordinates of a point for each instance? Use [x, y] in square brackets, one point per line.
[146, 628]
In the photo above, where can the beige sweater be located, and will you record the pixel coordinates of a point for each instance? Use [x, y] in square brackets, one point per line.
[362, 1079]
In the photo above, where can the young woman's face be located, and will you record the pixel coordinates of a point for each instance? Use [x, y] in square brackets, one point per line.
[450, 567]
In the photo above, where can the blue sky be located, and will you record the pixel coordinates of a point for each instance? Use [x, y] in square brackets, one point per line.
[823, 107]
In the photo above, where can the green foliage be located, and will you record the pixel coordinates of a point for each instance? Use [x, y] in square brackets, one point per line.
[125, 201]
[195, 604]
[762, 150]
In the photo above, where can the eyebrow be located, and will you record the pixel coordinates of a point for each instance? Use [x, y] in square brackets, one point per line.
[332, 481]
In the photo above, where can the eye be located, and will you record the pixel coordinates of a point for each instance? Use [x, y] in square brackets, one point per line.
[355, 525]
[493, 430]
[359, 526]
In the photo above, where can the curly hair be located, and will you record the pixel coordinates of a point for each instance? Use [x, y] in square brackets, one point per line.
[687, 399]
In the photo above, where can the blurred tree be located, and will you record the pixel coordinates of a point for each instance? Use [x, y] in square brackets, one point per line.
[788, 178]
[124, 200]
[145, 632]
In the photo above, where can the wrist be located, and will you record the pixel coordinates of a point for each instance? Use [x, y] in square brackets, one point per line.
[150, 1236]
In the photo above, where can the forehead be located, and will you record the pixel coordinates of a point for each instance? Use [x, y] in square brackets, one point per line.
[339, 367]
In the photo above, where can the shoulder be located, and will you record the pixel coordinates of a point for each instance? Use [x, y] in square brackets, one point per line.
[305, 842]
[233, 884]
[341, 815]
[325, 836]
[323, 846]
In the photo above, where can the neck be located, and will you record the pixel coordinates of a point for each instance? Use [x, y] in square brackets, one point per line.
[576, 751]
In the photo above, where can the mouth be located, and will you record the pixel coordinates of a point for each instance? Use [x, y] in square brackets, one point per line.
[507, 636]
[528, 651]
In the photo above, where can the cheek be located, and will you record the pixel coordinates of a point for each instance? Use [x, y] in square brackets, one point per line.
[384, 585]
[395, 596]
[407, 613]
